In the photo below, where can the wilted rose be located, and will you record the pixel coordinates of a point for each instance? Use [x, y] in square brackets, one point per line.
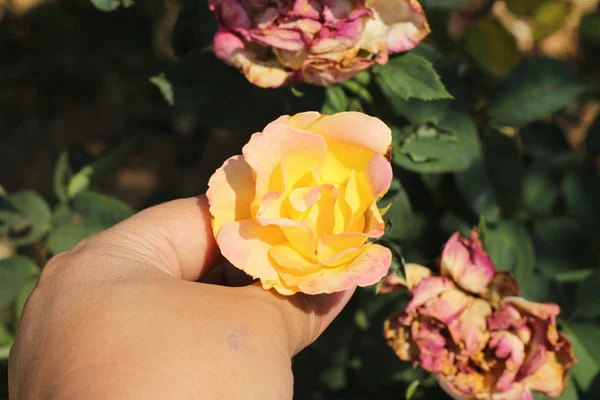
[322, 42]
[469, 329]
[298, 208]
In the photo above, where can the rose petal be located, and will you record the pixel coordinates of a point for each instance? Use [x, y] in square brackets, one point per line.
[288, 258]
[544, 311]
[367, 268]
[231, 14]
[352, 139]
[428, 289]
[414, 274]
[507, 347]
[277, 142]
[550, 378]
[446, 307]
[397, 25]
[378, 175]
[399, 338]
[230, 192]
[330, 245]
[246, 245]
[285, 39]
[471, 328]
[466, 262]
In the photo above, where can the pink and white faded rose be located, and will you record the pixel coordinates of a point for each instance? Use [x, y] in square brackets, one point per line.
[469, 329]
[280, 42]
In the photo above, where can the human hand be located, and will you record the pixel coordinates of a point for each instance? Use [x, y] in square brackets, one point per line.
[123, 316]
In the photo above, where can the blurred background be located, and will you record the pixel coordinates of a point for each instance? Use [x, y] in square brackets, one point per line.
[87, 138]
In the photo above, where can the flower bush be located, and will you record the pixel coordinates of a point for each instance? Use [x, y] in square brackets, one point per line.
[471, 330]
[319, 42]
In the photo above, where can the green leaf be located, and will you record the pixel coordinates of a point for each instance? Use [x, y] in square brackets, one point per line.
[25, 217]
[534, 89]
[504, 167]
[590, 27]
[549, 17]
[476, 189]
[587, 297]
[90, 213]
[429, 149]
[581, 192]
[400, 217]
[547, 143]
[411, 76]
[62, 175]
[491, 46]
[335, 100]
[592, 141]
[540, 190]
[412, 388]
[482, 230]
[65, 237]
[161, 82]
[111, 5]
[584, 339]
[524, 7]
[14, 273]
[511, 249]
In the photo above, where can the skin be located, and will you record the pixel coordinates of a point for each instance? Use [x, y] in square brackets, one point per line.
[124, 316]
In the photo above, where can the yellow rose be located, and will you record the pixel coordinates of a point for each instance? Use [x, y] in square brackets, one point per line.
[298, 210]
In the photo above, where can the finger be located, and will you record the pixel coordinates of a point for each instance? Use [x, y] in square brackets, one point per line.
[175, 236]
[304, 317]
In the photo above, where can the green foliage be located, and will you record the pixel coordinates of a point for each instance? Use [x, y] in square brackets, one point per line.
[482, 137]
[410, 76]
[533, 90]
[24, 217]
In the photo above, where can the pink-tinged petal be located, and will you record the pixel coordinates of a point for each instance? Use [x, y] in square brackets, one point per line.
[266, 17]
[431, 343]
[544, 311]
[471, 327]
[303, 198]
[397, 26]
[332, 68]
[374, 223]
[504, 318]
[279, 143]
[378, 175]
[266, 74]
[518, 392]
[285, 39]
[355, 128]
[507, 347]
[307, 9]
[551, 378]
[231, 14]
[414, 274]
[230, 192]
[466, 262]
[335, 10]
[366, 269]
[229, 48]
[302, 120]
[428, 289]
[447, 307]
[337, 38]
[246, 245]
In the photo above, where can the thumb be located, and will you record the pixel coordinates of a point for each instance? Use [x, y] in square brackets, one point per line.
[303, 317]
